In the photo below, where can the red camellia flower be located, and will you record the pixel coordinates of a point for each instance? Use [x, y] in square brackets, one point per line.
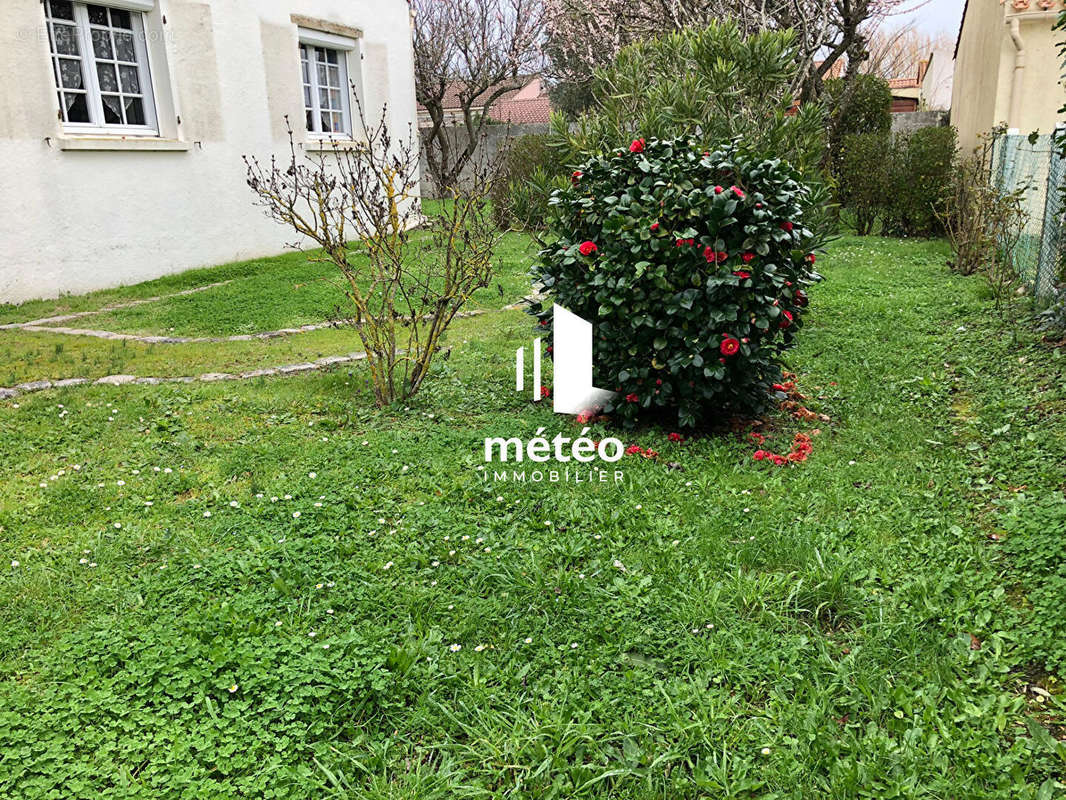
[655, 226]
[544, 322]
[634, 449]
[801, 297]
[637, 146]
[587, 248]
[649, 453]
[810, 258]
[675, 437]
[742, 274]
[747, 257]
[784, 323]
[778, 460]
[786, 226]
[575, 176]
[632, 398]
[545, 392]
[759, 455]
[729, 346]
[723, 256]
[738, 192]
[718, 190]
[679, 242]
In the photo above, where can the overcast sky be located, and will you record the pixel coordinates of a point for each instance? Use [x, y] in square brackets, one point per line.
[935, 16]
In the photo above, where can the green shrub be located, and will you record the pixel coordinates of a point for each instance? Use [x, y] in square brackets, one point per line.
[904, 180]
[864, 178]
[691, 266]
[530, 170]
[859, 105]
[920, 167]
[862, 104]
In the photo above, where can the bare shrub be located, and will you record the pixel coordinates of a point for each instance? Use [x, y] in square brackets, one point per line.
[405, 274]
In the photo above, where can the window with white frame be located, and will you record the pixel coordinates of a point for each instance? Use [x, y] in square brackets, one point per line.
[100, 63]
[326, 83]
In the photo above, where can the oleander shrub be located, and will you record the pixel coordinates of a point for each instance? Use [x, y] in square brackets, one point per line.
[691, 266]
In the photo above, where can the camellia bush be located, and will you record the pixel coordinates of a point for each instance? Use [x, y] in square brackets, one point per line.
[691, 266]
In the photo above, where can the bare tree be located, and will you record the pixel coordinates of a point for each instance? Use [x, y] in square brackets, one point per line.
[481, 49]
[585, 34]
[895, 52]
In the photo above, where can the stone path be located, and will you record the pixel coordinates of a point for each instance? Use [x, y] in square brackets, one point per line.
[207, 377]
[47, 324]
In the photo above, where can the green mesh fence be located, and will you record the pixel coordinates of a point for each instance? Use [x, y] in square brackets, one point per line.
[1037, 168]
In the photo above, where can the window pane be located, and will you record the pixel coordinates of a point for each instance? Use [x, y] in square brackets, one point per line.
[307, 96]
[97, 15]
[334, 77]
[322, 81]
[134, 111]
[310, 120]
[121, 19]
[70, 73]
[61, 9]
[65, 39]
[124, 50]
[326, 126]
[131, 81]
[106, 74]
[101, 43]
[112, 109]
[76, 109]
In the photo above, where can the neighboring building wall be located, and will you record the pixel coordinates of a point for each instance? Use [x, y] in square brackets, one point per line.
[936, 83]
[78, 214]
[984, 70]
[907, 122]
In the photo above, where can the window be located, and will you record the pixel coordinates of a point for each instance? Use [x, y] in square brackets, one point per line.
[101, 67]
[326, 98]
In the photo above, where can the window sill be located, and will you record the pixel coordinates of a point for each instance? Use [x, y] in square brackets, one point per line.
[121, 143]
[332, 145]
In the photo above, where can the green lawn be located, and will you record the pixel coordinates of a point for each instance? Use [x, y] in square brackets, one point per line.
[711, 627]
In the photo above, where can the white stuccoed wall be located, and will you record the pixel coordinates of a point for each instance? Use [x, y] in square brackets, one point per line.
[77, 220]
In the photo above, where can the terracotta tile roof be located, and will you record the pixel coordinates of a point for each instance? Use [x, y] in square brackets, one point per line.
[903, 83]
[451, 93]
[835, 71]
[520, 112]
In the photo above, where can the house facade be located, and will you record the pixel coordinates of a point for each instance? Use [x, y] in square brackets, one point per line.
[1007, 68]
[123, 125]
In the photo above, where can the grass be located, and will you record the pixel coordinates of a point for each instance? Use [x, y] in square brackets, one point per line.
[709, 627]
[259, 295]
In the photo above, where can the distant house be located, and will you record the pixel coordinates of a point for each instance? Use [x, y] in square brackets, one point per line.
[517, 106]
[907, 92]
[123, 124]
[1006, 68]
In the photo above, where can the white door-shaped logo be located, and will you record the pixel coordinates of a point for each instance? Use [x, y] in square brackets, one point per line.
[572, 351]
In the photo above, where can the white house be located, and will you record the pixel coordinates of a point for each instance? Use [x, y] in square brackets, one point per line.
[123, 124]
